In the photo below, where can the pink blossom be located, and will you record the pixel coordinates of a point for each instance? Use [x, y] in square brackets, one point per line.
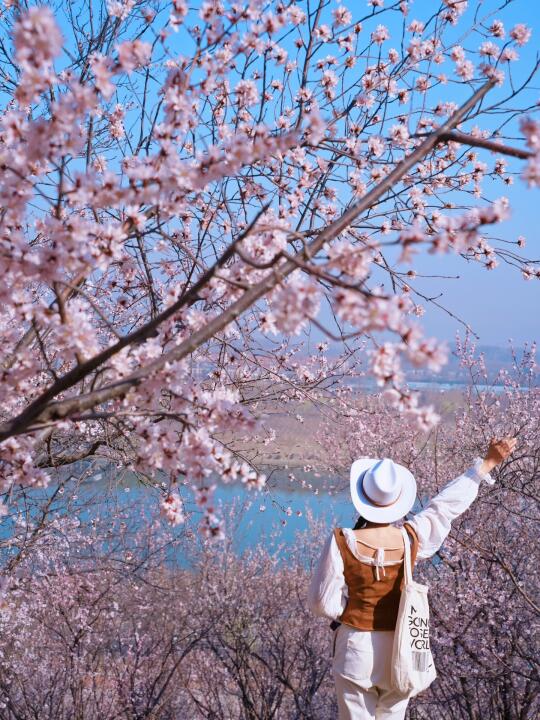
[422, 84]
[262, 246]
[427, 50]
[133, 54]
[497, 29]
[329, 79]
[384, 363]
[212, 527]
[414, 49]
[492, 72]
[531, 173]
[380, 34]
[120, 8]
[296, 14]
[456, 8]
[37, 39]
[350, 260]
[210, 10]
[415, 234]
[351, 307]
[178, 13]
[246, 93]
[149, 14]
[425, 418]
[400, 135]
[376, 145]
[315, 128]
[446, 108]
[416, 26]
[465, 69]
[403, 96]
[489, 49]
[428, 353]
[294, 302]
[521, 34]
[342, 16]
[116, 120]
[457, 53]
[323, 32]
[78, 332]
[252, 479]
[508, 55]
[102, 67]
[17, 465]
[172, 510]
[531, 130]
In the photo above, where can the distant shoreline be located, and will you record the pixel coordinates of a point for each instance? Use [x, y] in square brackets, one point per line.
[295, 445]
[442, 385]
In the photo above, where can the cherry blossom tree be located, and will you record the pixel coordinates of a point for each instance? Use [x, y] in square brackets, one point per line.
[187, 194]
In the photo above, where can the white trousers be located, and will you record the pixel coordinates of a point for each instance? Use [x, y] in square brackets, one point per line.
[361, 668]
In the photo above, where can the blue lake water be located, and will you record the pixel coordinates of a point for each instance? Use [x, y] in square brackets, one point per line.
[274, 525]
[272, 516]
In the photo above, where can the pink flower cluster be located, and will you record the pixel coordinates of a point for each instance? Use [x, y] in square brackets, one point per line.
[268, 240]
[531, 130]
[133, 54]
[456, 233]
[37, 41]
[171, 508]
[294, 302]
[350, 259]
[17, 465]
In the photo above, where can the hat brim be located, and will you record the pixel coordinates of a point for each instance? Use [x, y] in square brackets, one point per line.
[375, 513]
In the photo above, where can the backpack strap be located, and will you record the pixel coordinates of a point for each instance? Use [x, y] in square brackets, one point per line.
[340, 539]
[413, 537]
[407, 569]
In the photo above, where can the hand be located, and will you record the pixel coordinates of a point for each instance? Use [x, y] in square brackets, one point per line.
[498, 451]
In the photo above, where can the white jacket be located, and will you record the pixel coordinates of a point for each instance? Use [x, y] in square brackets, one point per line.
[327, 593]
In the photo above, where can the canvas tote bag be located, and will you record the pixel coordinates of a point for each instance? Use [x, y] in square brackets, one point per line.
[413, 669]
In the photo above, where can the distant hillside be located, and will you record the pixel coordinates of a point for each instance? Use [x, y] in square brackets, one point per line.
[496, 358]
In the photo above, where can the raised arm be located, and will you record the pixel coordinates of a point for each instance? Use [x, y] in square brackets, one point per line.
[432, 524]
[327, 593]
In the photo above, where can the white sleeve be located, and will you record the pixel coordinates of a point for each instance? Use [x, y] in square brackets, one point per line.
[432, 524]
[327, 593]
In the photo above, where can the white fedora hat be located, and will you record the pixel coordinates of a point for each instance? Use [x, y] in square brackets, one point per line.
[381, 490]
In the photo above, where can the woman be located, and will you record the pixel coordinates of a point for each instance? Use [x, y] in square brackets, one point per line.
[359, 576]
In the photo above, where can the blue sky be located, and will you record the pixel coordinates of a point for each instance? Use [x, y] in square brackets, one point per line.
[498, 304]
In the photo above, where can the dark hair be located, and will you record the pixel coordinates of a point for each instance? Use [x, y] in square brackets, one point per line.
[360, 523]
